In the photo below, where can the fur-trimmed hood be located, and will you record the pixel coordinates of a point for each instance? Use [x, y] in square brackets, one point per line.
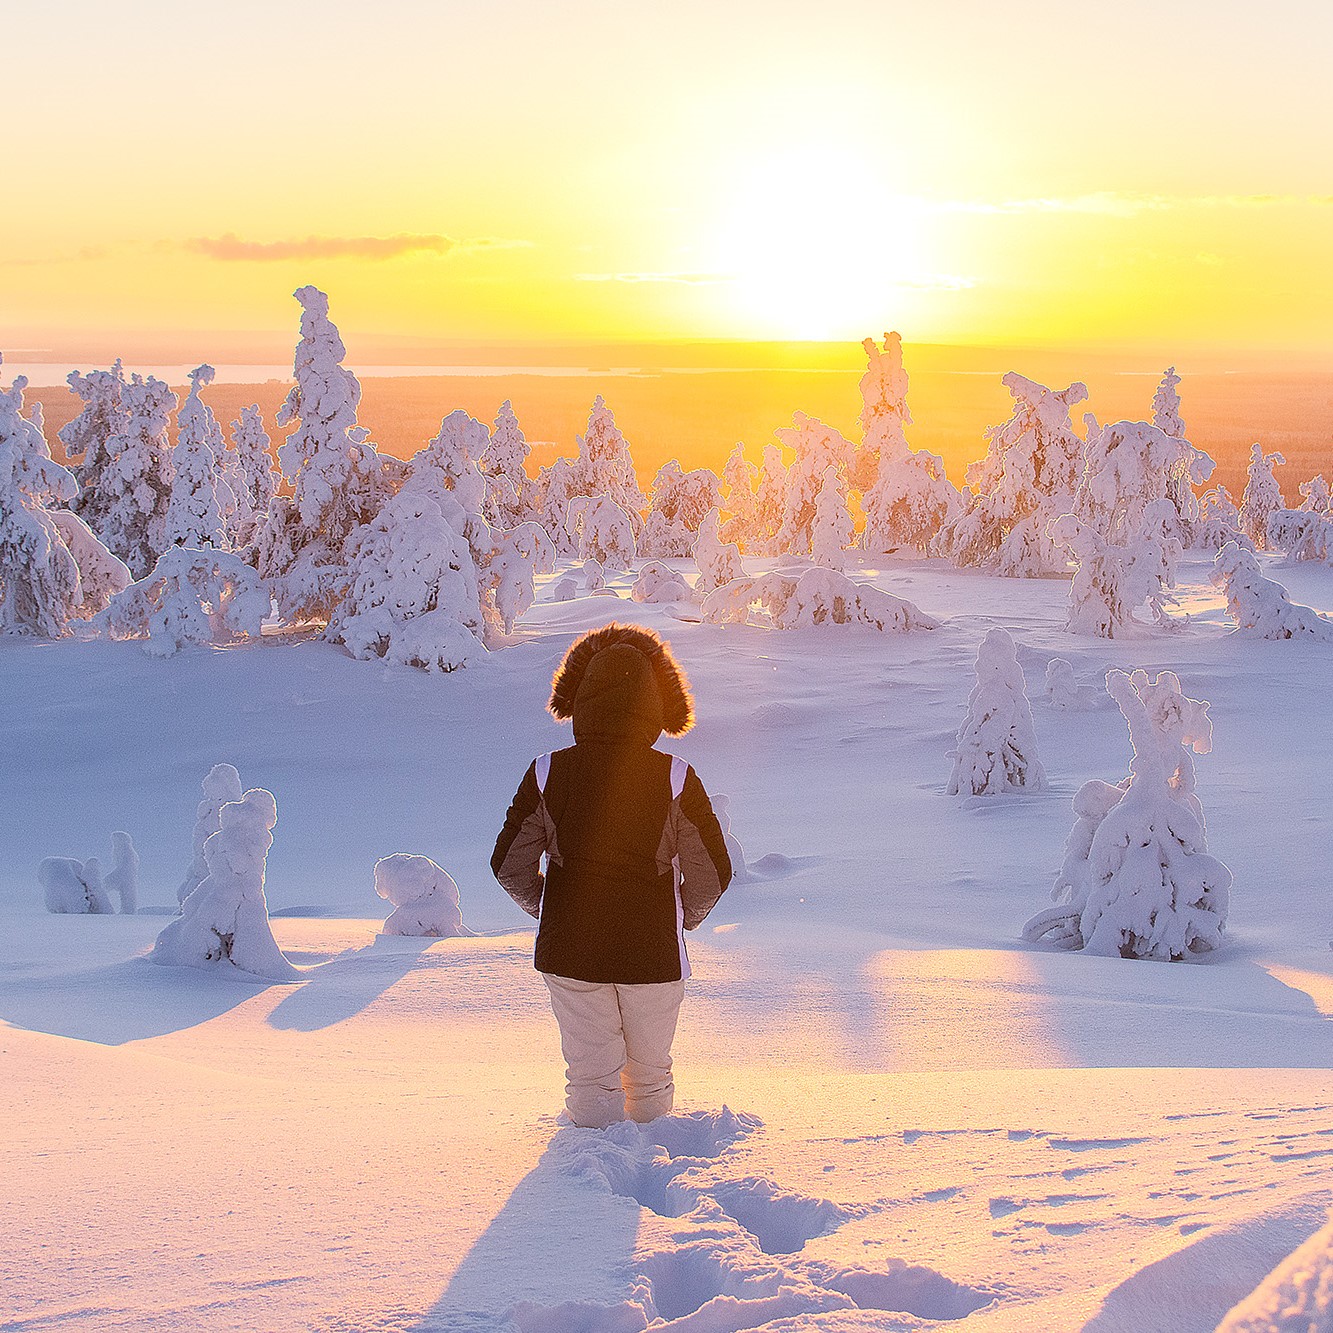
[622, 681]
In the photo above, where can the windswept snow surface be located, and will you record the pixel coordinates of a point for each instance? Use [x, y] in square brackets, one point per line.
[892, 1114]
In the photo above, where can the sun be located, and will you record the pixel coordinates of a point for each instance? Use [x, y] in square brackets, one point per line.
[817, 246]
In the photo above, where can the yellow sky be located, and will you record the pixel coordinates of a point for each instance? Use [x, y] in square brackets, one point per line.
[521, 170]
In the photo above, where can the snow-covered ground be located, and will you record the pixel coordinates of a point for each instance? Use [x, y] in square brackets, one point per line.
[892, 1112]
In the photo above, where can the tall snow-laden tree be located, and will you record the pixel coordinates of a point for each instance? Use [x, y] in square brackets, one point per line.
[1028, 478]
[195, 510]
[996, 748]
[255, 471]
[338, 480]
[126, 470]
[906, 496]
[738, 475]
[680, 501]
[605, 467]
[1262, 495]
[447, 468]
[817, 448]
[1192, 467]
[1137, 879]
[602, 529]
[39, 579]
[503, 465]
[556, 486]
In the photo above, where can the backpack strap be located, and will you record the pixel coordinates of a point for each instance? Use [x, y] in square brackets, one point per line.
[679, 768]
[542, 767]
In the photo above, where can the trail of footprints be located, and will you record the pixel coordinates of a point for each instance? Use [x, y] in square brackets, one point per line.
[730, 1260]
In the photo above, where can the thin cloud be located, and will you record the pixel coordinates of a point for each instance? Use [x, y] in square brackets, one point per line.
[231, 249]
[688, 279]
[1109, 203]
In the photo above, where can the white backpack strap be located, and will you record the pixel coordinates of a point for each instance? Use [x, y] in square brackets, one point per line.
[542, 765]
[679, 768]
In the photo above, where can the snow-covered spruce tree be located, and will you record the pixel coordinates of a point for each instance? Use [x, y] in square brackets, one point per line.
[555, 487]
[1137, 879]
[831, 532]
[1303, 534]
[1315, 495]
[190, 598]
[1027, 479]
[73, 887]
[679, 502]
[1112, 581]
[39, 579]
[338, 480]
[510, 576]
[414, 595]
[741, 503]
[1262, 495]
[657, 583]
[906, 496]
[719, 562]
[126, 469]
[502, 464]
[604, 465]
[256, 479]
[195, 512]
[424, 897]
[1259, 606]
[1218, 522]
[603, 530]
[810, 598]
[224, 922]
[1061, 687]
[101, 574]
[447, 468]
[1192, 467]
[221, 785]
[123, 880]
[817, 448]
[997, 743]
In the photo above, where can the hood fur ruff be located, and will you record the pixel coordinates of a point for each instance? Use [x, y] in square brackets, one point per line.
[672, 686]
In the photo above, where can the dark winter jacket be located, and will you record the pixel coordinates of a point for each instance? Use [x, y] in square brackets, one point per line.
[634, 851]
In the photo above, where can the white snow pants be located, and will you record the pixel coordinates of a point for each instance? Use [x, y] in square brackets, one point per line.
[617, 1046]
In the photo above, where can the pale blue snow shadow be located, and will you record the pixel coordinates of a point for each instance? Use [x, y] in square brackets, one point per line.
[351, 982]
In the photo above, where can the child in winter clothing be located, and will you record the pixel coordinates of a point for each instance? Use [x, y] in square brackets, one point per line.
[634, 856]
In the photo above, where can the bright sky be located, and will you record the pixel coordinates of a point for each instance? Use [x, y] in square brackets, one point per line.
[519, 170]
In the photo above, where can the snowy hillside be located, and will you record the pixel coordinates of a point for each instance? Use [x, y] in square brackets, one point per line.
[892, 1111]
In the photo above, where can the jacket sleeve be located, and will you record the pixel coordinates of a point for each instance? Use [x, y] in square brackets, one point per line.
[705, 866]
[516, 860]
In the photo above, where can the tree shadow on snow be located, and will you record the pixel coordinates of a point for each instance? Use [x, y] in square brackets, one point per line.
[125, 1001]
[351, 982]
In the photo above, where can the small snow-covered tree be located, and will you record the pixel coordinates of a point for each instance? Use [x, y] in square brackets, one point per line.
[511, 571]
[556, 486]
[502, 463]
[594, 576]
[565, 589]
[657, 583]
[831, 530]
[73, 887]
[817, 448]
[221, 785]
[1061, 687]
[719, 562]
[997, 743]
[338, 480]
[424, 897]
[1259, 606]
[813, 597]
[255, 473]
[224, 922]
[605, 532]
[680, 501]
[1262, 495]
[1027, 479]
[195, 510]
[907, 498]
[1218, 521]
[1112, 581]
[190, 598]
[123, 880]
[738, 475]
[1137, 879]
[1192, 467]
[1303, 534]
[1315, 495]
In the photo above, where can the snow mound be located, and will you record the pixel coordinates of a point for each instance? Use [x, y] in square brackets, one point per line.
[657, 583]
[424, 896]
[1296, 1297]
[816, 596]
[73, 887]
